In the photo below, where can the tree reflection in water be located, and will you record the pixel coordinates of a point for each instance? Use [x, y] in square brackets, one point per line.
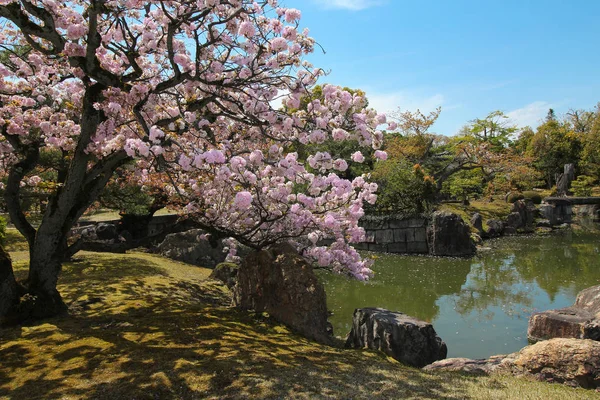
[497, 290]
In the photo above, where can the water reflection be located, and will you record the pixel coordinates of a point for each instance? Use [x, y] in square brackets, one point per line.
[480, 306]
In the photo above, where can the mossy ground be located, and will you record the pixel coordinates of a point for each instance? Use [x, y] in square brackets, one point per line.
[497, 209]
[144, 327]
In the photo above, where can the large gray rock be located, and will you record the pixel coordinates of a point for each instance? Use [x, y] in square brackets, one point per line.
[527, 215]
[495, 228]
[514, 220]
[189, 248]
[282, 283]
[448, 235]
[563, 181]
[573, 362]
[579, 321]
[477, 222]
[106, 231]
[406, 339]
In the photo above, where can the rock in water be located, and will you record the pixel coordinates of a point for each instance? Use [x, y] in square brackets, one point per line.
[449, 236]
[578, 321]
[404, 338]
[571, 361]
[282, 283]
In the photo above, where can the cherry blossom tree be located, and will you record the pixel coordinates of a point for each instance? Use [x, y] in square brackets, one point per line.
[185, 89]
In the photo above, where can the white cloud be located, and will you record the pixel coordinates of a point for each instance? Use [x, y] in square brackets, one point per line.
[354, 5]
[531, 115]
[386, 102]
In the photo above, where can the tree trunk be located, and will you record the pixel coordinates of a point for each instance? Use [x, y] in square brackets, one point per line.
[46, 255]
[9, 290]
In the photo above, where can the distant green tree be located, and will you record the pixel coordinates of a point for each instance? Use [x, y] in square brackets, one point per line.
[404, 188]
[495, 129]
[590, 154]
[583, 185]
[554, 145]
[465, 184]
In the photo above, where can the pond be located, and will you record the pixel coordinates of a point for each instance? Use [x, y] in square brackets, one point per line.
[478, 306]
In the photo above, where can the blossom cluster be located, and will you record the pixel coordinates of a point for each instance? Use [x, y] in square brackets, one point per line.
[189, 88]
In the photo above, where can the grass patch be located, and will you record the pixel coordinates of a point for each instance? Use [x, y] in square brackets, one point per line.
[146, 327]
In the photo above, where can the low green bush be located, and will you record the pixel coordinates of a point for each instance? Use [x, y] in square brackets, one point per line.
[582, 186]
[514, 196]
[535, 197]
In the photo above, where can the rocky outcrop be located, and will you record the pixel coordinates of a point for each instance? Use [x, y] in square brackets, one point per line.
[527, 214]
[188, 247]
[570, 361]
[495, 228]
[580, 321]
[226, 273]
[404, 338]
[282, 283]
[106, 231]
[448, 235]
[573, 362]
[467, 365]
[563, 181]
[477, 222]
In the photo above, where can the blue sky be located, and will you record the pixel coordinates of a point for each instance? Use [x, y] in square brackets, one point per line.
[469, 57]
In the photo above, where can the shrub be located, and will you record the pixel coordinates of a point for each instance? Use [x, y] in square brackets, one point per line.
[2, 229]
[514, 196]
[583, 185]
[533, 196]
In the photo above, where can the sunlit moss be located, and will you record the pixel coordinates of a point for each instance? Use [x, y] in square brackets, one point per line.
[143, 326]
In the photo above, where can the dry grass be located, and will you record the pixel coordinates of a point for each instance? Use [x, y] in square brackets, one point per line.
[144, 327]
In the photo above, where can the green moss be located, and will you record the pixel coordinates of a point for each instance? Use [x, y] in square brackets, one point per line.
[497, 209]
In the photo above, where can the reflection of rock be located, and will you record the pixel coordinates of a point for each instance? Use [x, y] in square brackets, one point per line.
[407, 339]
[449, 236]
[578, 321]
[571, 361]
[467, 365]
[282, 283]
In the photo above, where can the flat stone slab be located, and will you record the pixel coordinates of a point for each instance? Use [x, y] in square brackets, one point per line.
[467, 365]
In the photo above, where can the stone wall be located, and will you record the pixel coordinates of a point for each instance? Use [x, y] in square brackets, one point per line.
[395, 234]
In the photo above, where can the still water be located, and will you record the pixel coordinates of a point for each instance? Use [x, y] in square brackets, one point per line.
[478, 306]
